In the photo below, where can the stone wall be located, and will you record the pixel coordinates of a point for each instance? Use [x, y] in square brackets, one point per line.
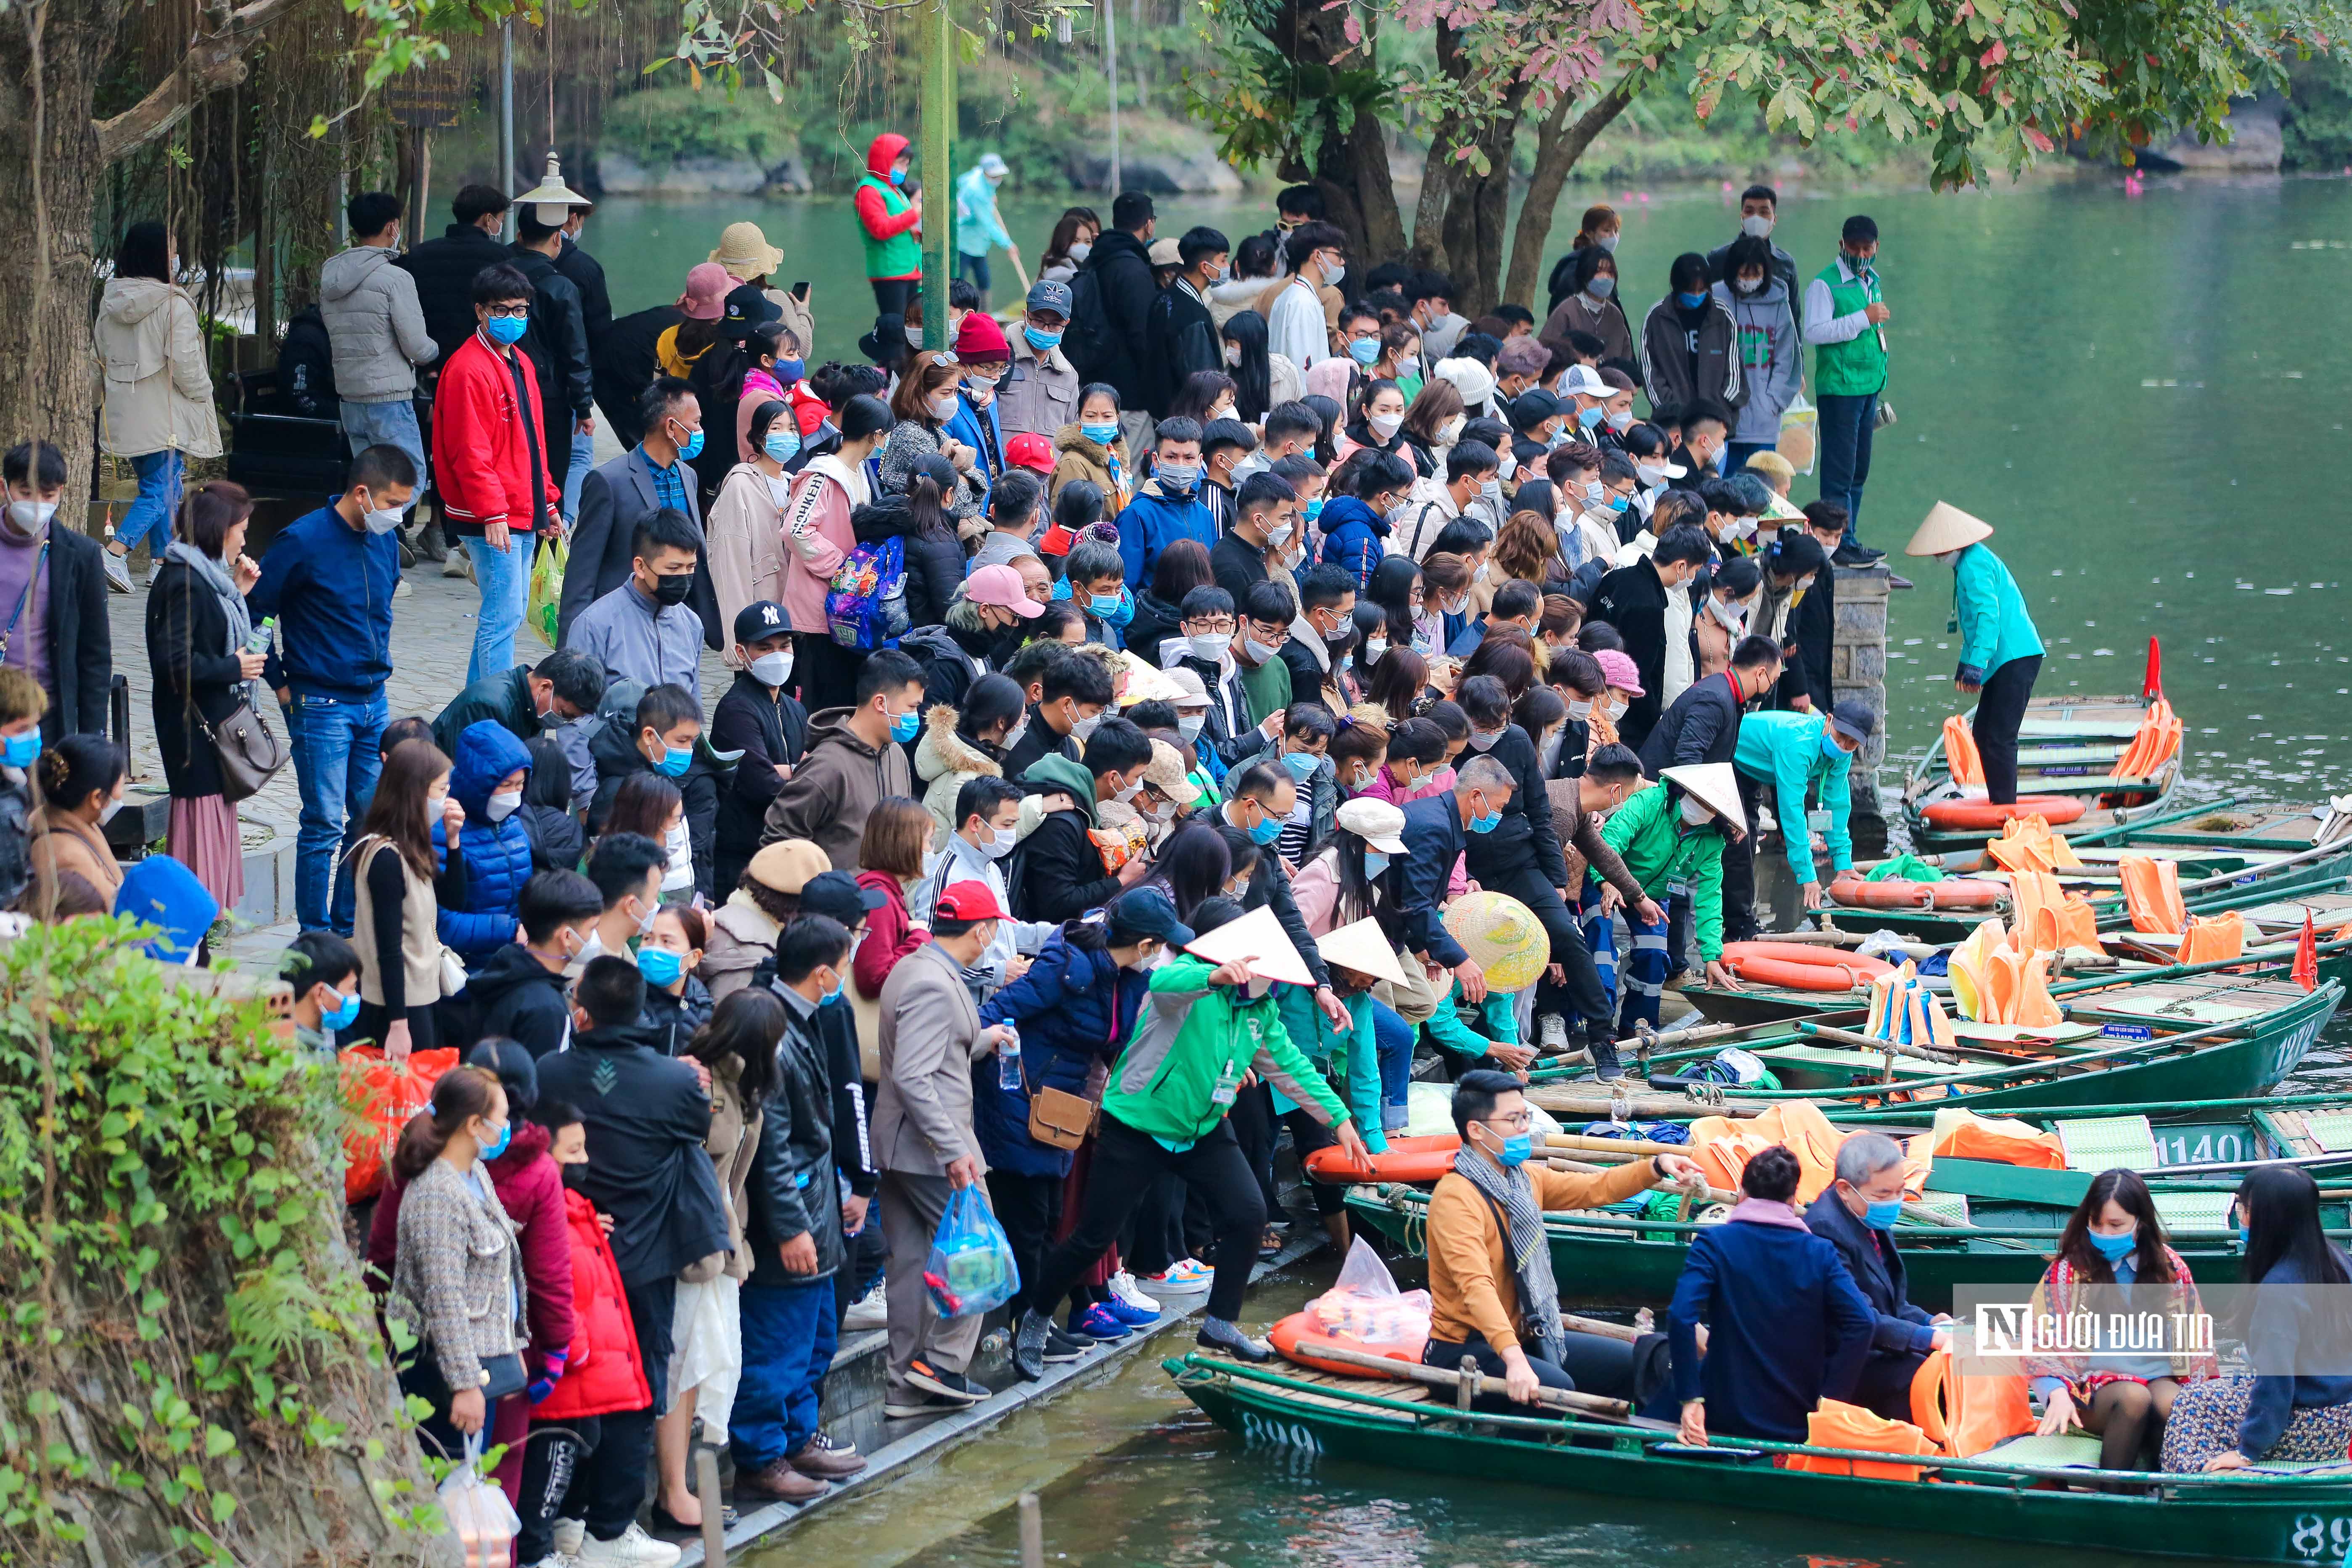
[1858, 671]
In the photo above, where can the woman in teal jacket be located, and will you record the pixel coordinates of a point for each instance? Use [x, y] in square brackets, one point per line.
[1672, 839]
[2000, 653]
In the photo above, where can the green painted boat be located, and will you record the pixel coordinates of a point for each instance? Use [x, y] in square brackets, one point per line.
[2299, 1516]
[2066, 746]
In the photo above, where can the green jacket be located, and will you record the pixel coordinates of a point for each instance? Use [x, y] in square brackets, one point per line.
[1788, 750]
[1993, 624]
[901, 254]
[1858, 365]
[1192, 1037]
[1664, 852]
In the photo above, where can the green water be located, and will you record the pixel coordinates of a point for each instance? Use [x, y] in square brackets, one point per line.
[2143, 396]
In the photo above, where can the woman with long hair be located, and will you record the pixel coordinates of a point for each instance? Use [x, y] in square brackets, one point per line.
[393, 865]
[1434, 422]
[1397, 588]
[1529, 549]
[890, 862]
[1400, 682]
[1194, 864]
[1245, 283]
[1591, 305]
[1331, 410]
[2114, 1237]
[818, 532]
[923, 402]
[1399, 358]
[1072, 241]
[1263, 379]
[925, 513]
[158, 400]
[746, 542]
[1205, 396]
[1179, 568]
[1090, 449]
[960, 745]
[1381, 425]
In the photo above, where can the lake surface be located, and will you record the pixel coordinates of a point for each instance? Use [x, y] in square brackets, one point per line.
[2145, 396]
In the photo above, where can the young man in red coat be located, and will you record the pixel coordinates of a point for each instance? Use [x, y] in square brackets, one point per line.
[496, 486]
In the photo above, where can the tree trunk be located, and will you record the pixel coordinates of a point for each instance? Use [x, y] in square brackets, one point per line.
[1559, 145]
[1458, 223]
[1351, 167]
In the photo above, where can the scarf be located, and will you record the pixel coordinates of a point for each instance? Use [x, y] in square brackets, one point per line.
[1531, 1248]
[216, 576]
[1764, 1211]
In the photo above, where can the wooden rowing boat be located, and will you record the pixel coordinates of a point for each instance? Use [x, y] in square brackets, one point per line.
[2066, 746]
[2298, 1516]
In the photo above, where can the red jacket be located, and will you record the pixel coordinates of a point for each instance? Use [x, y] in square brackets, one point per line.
[481, 452]
[891, 935]
[603, 1374]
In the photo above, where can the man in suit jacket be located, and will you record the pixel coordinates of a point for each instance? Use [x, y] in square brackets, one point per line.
[1854, 1216]
[923, 1140]
[64, 637]
[615, 497]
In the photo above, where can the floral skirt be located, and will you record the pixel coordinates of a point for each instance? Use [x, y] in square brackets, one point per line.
[2206, 1416]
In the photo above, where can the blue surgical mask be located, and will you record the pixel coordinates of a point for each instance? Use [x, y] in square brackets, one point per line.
[346, 1012]
[2245, 1238]
[1882, 1217]
[1044, 343]
[897, 176]
[905, 727]
[789, 371]
[2114, 1248]
[1301, 765]
[783, 446]
[1102, 604]
[1831, 749]
[1591, 417]
[1690, 302]
[1267, 830]
[1312, 511]
[1100, 435]
[21, 751]
[506, 1136]
[1486, 823]
[1375, 863]
[1619, 504]
[659, 965]
[675, 761]
[1514, 1151]
[1177, 478]
[691, 448]
[1364, 351]
[506, 328]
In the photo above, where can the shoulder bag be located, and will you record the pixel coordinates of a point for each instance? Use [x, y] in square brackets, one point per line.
[250, 755]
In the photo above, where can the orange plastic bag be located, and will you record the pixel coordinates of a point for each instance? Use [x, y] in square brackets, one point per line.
[2214, 939]
[1960, 752]
[383, 1096]
[2152, 893]
[1962, 1134]
[1963, 1416]
[1840, 1426]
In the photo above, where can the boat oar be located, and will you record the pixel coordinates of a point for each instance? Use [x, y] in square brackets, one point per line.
[1468, 1388]
[1576, 1324]
[2259, 874]
[1627, 1146]
[1564, 1102]
[1869, 1043]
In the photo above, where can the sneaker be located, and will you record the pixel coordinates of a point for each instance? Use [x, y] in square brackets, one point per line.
[868, 1311]
[1128, 1312]
[1216, 1334]
[567, 1535]
[1062, 1347]
[1551, 1030]
[1099, 1322]
[915, 1403]
[400, 589]
[825, 1463]
[1029, 1342]
[458, 563]
[407, 551]
[556, 1560]
[1123, 1288]
[633, 1547]
[431, 545]
[1184, 1278]
[118, 572]
[1855, 556]
[833, 1445]
[939, 1380]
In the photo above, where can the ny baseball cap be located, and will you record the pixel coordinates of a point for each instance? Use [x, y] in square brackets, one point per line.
[761, 618]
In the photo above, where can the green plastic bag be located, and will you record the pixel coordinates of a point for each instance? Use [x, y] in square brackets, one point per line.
[1908, 869]
[547, 586]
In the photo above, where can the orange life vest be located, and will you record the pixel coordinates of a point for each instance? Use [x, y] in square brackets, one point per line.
[1962, 1416]
[1839, 1425]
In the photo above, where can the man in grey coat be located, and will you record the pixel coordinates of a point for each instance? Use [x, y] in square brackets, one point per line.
[923, 1140]
[618, 496]
[375, 330]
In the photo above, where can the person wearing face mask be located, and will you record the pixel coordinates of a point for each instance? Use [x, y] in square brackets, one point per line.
[1636, 599]
[530, 701]
[1591, 305]
[81, 789]
[979, 227]
[987, 813]
[1845, 320]
[1058, 873]
[1538, 425]
[826, 494]
[627, 869]
[1760, 213]
[660, 739]
[323, 972]
[676, 1004]
[403, 884]
[157, 410]
[857, 757]
[1761, 302]
[1180, 330]
[618, 498]
[1319, 636]
[2000, 653]
[1492, 1295]
[1725, 598]
[645, 630]
[1689, 343]
[518, 990]
[776, 373]
[1857, 1217]
[1169, 505]
[1069, 246]
[328, 582]
[746, 542]
[50, 584]
[487, 782]
[1801, 756]
[987, 359]
[1792, 565]
[1039, 393]
[927, 402]
[1672, 839]
[889, 226]
[1296, 326]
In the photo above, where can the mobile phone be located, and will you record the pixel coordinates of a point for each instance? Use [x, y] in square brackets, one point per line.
[800, 291]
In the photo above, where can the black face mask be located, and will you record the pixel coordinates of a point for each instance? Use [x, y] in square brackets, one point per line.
[574, 1175]
[671, 588]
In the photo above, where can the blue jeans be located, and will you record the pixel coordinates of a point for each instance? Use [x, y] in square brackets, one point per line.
[389, 424]
[583, 457]
[1394, 1036]
[789, 1335]
[974, 268]
[336, 744]
[1847, 425]
[504, 577]
[158, 503]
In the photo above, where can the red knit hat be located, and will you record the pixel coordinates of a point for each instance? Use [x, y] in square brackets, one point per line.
[980, 340]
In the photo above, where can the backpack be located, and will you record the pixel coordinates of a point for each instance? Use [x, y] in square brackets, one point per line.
[1087, 342]
[866, 607]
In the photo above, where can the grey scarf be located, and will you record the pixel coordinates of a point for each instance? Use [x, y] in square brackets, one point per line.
[216, 575]
[1530, 1249]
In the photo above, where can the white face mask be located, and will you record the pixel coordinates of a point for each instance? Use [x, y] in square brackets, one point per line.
[1948, 557]
[1080, 251]
[106, 813]
[914, 337]
[1608, 242]
[1190, 725]
[1695, 814]
[1233, 353]
[1756, 226]
[1384, 425]
[1733, 621]
[1208, 646]
[505, 804]
[994, 845]
[773, 668]
[1013, 736]
[1451, 431]
[944, 407]
[1374, 648]
[1579, 709]
[31, 516]
[1083, 730]
[1616, 707]
[1279, 536]
[1257, 650]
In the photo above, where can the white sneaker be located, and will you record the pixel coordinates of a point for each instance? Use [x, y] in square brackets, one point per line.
[118, 571]
[400, 589]
[633, 1547]
[459, 564]
[1123, 1286]
[567, 1535]
[1186, 1277]
[557, 1559]
[1553, 1032]
[870, 1311]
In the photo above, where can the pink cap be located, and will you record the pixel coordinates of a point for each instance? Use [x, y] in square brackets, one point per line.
[706, 286]
[1001, 587]
[1617, 669]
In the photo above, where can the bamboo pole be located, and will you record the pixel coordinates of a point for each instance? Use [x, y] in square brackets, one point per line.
[714, 1509]
[1033, 1532]
[938, 111]
[1869, 1043]
[1467, 1388]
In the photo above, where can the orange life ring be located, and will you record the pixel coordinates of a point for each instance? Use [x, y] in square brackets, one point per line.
[1297, 1337]
[1795, 966]
[1406, 1160]
[2054, 809]
[1901, 893]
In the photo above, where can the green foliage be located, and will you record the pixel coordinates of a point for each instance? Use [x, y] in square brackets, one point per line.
[661, 124]
[2317, 130]
[178, 1336]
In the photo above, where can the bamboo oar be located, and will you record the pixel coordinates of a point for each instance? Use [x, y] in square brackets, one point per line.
[1559, 1101]
[1439, 1378]
[1575, 1324]
[1869, 1043]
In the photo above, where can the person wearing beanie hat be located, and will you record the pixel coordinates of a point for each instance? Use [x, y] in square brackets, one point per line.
[1796, 755]
[1622, 683]
[978, 225]
[981, 350]
[1040, 394]
[2000, 653]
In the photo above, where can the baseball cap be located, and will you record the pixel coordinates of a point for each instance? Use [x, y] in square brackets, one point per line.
[1617, 669]
[1532, 407]
[990, 163]
[1164, 253]
[1000, 586]
[1146, 912]
[1045, 294]
[1585, 381]
[1853, 721]
[748, 305]
[968, 902]
[1166, 773]
[837, 896]
[1031, 451]
[788, 864]
[761, 618]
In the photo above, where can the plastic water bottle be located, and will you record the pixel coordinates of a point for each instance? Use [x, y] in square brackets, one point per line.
[257, 640]
[1008, 1060]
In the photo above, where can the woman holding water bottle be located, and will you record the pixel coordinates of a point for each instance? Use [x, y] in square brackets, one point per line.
[205, 655]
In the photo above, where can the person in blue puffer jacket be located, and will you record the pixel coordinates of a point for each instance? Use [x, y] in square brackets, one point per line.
[1075, 1008]
[488, 779]
[1352, 535]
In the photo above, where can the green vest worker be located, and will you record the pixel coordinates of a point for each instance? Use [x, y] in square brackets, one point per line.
[1846, 322]
[890, 225]
[1798, 754]
[2000, 653]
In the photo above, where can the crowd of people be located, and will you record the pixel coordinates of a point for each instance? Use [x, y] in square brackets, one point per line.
[1218, 582]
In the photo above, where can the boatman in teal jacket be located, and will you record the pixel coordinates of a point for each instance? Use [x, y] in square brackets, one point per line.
[978, 226]
[2000, 653]
[1802, 757]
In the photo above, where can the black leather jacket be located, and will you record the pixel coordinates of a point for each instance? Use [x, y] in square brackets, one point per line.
[792, 1188]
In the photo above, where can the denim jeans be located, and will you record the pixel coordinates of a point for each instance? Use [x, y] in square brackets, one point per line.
[336, 744]
[1847, 425]
[789, 1335]
[388, 424]
[583, 457]
[1394, 1038]
[504, 577]
[159, 501]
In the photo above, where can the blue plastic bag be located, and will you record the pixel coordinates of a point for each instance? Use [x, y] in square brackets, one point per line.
[971, 1268]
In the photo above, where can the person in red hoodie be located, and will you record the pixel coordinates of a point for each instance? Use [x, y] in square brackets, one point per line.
[497, 489]
[890, 860]
[890, 225]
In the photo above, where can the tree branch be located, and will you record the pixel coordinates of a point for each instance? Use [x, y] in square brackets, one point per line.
[213, 61]
[1559, 145]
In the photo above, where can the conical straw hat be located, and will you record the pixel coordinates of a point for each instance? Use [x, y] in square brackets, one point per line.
[1712, 785]
[1362, 948]
[1258, 939]
[1947, 528]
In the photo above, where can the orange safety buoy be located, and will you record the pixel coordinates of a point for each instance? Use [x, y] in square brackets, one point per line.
[1299, 1336]
[1901, 893]
[2054, 809]
[1795, 966]
[1421, 1158]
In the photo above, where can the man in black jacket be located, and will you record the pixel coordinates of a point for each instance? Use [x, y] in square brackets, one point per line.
[1122, 268]
[760, 719]
[445, 268]
[1325, 624]
[518, 990]
[1057, 873]
[1633, 599]
[71, 639]
[793, 1227]
[624, 363]
[557, 344]
[646, 1116]
[1855, 1217]
[1703, 726]
[1184, 336]
[1072, 699]
[528, 700]
[1813, 624]
[585, 274]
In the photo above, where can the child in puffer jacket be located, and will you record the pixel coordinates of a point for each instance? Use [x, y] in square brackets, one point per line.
[489, 778]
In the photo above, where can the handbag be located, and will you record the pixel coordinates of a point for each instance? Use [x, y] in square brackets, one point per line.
[250, 754]
[1060, 1120]
[501, 1376]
